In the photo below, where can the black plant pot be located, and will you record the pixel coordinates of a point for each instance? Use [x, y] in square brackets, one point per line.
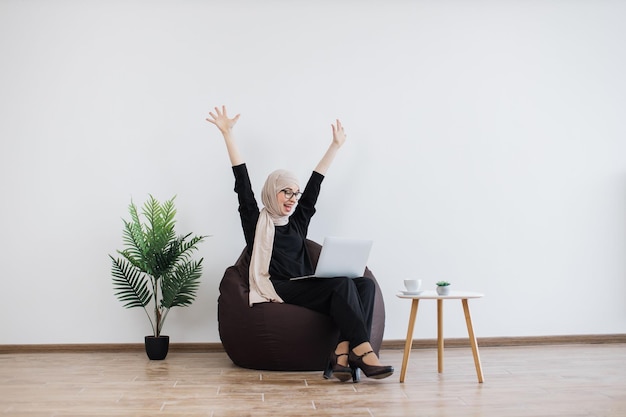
[157, 347]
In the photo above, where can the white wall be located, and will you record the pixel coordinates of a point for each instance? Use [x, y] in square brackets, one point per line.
[486, 147]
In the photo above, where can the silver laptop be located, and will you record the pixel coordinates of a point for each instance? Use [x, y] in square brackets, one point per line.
[342, 257]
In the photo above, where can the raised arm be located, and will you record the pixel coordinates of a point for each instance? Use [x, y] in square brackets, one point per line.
[225, 125]
[339, 137]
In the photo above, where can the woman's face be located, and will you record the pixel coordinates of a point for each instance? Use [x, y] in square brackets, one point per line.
[285, 203]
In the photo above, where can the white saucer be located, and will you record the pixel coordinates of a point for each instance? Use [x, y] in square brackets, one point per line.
[411, 292]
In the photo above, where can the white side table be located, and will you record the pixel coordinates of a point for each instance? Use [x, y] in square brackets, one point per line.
[432, 295]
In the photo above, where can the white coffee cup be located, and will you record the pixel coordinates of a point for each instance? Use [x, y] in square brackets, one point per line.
[412, 285]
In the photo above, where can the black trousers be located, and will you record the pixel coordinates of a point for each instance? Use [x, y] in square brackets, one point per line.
[348, 302]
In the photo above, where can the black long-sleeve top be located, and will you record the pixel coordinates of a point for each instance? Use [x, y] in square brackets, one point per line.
[290, 257]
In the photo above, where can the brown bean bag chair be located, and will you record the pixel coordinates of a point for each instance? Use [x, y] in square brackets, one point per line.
[279, 336]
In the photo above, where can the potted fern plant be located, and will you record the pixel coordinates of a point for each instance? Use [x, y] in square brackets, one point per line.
[155, 270]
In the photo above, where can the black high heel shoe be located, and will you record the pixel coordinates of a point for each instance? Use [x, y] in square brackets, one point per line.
[342, 373]
[370, 371]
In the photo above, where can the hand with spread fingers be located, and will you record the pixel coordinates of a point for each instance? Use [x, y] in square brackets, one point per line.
[221, 120]
[225, 125]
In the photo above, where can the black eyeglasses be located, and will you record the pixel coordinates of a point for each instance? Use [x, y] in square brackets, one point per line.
[289, 194]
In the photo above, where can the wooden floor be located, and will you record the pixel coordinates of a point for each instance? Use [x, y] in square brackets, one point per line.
[559, 380]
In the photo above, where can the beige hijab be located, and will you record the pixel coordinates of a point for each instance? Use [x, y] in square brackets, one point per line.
[261, 288]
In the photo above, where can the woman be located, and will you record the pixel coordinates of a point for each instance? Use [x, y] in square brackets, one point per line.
[275, 238]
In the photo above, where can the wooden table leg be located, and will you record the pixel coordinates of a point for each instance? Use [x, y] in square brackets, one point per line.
[408, 344]
[472, 337]
[440, 336]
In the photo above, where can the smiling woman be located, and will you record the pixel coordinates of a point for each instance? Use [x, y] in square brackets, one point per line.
[276, 241]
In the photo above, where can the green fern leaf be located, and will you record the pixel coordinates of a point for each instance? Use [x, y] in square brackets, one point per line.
[130, 284]
[179, 289]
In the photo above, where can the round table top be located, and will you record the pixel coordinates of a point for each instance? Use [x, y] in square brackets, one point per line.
[432, 295]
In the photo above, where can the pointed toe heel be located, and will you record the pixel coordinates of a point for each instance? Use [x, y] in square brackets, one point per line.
[370, 371]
